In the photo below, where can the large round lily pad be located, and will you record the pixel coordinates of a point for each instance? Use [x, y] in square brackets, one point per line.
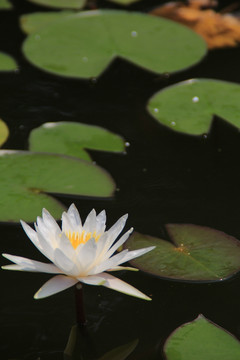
[27, 178]
[31, 23]
[72, 139]
[4, 132]
[84, 44]
[189, 106]
[201, 339]
[197, 253]
[5, 5]
[62, 4]
[7, 63]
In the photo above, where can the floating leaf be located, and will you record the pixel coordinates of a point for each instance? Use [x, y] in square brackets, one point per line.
[124, 2]
[31, 23]
[7, 63]
[5, 5]
[4, 132]
[190, 105]
[64, 4]
[197, 253]
[201, 339]
[27, 178]
[84, 44]
[71, 139]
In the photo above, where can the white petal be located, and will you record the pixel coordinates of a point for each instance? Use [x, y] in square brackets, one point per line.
[53, 286]
[92, 280]
[101, 222]
[117, 245]
[25, 264]
[86, 255]
[65, 246]
[116, 284]
[50, 222]
[118, 268]
[37, 241]
[45, 246]
[90, 222]
[135, 253]
[63, 262]
[109, 263]
[114, 231]
[48, 233]
[67, 224]
[30, 233]
[74, 216]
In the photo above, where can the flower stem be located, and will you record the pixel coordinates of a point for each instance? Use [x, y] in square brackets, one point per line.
[80, 313]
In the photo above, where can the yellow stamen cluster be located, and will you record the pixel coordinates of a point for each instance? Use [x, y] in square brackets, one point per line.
[77, 238]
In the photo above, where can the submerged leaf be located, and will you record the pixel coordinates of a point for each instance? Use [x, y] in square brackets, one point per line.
[197, 253]
[4, 132]
[120, 352]
[73, 139]
[7, 63]
[201, 339]
[64, 4]
[84, 44]
[189, 106]
[27, 178]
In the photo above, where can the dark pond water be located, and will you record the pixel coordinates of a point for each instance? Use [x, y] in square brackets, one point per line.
[165, 177]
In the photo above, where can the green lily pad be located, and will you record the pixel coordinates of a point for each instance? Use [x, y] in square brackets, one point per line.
[201, 339]
[7, 63]
[5, 5]
[124, 2]
[84, 44]
[31, 23]
[63, 4]
[72, 139]
[197, 253]
[27, 178]
[189, 106]
[4, 132]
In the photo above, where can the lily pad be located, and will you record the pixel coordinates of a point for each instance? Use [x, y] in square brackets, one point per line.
[124, 2]
[31, 23]
[62, 4]
[72, 139]
[189, 106]
[197, 253]
[4, 132]
[7, 63]
[84, 44]
[27, 179]
[201, 339]
[5, 5]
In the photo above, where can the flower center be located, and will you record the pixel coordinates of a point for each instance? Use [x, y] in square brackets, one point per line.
[77, 238]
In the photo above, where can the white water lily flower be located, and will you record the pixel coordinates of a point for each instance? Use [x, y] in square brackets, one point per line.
[79, 253]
